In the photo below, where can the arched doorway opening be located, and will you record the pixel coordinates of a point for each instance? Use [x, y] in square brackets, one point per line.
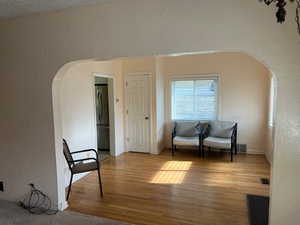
[270, 130]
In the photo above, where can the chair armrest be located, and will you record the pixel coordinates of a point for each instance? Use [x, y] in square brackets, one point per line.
[85, 159]
[86, 150]
[204, 132]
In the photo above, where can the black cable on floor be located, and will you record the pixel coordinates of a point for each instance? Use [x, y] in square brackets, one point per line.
[37, 202]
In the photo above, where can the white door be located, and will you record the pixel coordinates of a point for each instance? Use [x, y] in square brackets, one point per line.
[137, 106]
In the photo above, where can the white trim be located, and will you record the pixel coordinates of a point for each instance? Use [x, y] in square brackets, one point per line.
[152, 149]
[112, 121]
[253, 151]
[184, 77]
[272, 101]
[63, 205]
[138, 74]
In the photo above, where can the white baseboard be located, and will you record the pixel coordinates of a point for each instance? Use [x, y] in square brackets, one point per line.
[253, 151]
[63, 206]
[269, 157]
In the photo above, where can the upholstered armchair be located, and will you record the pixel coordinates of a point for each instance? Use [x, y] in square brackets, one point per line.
[220, 135]
[187, 133]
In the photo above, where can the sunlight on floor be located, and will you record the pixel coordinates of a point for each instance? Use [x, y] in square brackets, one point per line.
[172, 172]
[177, 165]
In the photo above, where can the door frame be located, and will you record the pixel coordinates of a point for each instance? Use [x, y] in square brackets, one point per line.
[112, 108]
[151, 109]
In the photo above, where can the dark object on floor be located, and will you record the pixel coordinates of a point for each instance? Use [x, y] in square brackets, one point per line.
[1, 186]
[12, 214]
[37, 202]
[78, 166]
[258, 209]
[265, 181]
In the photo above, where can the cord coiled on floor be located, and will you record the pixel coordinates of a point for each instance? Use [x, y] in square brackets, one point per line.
[37, 202]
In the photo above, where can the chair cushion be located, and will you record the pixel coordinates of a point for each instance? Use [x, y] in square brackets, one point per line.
[222, 129]
[84, 167]
[187, 128]
[215, 142]
[186, 141]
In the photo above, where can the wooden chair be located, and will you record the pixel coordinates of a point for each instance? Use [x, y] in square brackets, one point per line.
[78, 166]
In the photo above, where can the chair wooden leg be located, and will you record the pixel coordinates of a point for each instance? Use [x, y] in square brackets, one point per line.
[100, 183]
[231, 153]
[70, 185]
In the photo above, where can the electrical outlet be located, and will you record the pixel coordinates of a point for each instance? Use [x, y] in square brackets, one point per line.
[1, 186]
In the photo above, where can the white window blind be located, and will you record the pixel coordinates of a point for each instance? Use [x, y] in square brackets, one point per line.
[194, 99]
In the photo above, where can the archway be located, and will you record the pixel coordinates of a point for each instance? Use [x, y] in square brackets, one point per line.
[87, 69]
[114, 30]
[92, 68]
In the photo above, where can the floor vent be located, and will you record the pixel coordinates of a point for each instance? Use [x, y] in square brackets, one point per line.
[242, 148]
[265, 181]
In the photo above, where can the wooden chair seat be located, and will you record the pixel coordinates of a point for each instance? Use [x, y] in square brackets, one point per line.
[84, 167]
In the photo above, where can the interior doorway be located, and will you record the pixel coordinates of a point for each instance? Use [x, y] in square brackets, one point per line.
[104, 115]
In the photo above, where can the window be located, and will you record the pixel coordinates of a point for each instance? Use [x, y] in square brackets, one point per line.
[194, 99]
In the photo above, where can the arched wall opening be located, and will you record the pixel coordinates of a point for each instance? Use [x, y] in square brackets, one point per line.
[73, 89]
[161, 67]
[29, 62]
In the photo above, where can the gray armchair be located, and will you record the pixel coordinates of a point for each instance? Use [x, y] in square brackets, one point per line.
[187, 133]
[221, 135]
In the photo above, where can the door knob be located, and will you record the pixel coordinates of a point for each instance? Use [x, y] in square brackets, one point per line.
[146, 118]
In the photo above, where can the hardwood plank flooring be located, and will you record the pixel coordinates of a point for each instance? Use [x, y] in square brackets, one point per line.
[184, 190]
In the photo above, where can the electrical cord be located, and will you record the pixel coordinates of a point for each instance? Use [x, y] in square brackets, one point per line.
[37, 202]
[298, 15]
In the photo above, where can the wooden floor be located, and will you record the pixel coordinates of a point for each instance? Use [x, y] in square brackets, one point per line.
[185, 189]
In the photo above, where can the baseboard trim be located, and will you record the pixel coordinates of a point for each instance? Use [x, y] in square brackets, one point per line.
[249, 151]
[63, 206]
[254, 152]
[268, 157]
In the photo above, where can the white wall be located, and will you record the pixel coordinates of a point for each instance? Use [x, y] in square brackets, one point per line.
[33, 48]
[160, 104]
[77, 111]
[271, 119]
[77, 107]
[243, 89]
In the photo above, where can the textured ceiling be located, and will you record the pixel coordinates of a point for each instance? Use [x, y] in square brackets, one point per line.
[14, 8]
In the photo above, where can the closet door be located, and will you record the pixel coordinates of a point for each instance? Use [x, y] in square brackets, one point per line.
[137, 106]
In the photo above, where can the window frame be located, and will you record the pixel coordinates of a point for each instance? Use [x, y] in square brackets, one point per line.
[194, 77]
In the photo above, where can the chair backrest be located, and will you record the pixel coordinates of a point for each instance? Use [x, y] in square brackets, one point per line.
[188, 128]
[67, 154]
[222, 129]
